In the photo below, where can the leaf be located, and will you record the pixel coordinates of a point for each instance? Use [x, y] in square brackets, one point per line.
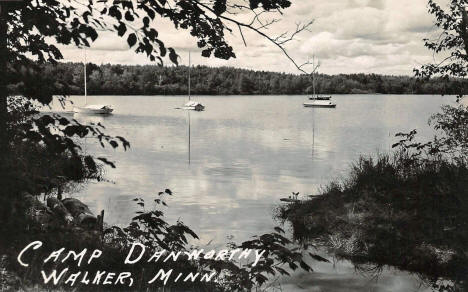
[86, 16]
[206, 53]
[124, 142]
[70, 130]
[282, 271]
[173, 56]
[162, 48]
[146, 21]
[89, 161]
[279, 229]
[121, 29]
[219, 7]
[63, 121]
[292, 265]
[318, 258]
[150, 13]
[305, 266]
[110, 163]
[129, 16]
[152, 34]
[113, 144]
[131, 40]
[115, 12]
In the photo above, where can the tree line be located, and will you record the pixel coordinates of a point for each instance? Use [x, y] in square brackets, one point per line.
[109, 79]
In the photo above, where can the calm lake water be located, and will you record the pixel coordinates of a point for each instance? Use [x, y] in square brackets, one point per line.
[243, 155]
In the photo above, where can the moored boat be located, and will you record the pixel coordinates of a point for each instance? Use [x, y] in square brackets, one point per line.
[317, 100]
[194, 105]
[96, 109]
[93, 109]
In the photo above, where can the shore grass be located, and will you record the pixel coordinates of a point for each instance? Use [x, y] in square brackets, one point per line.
[392, 209]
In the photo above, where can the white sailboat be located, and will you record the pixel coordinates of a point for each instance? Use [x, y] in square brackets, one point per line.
[99, 109]
[318, 100]
[192, 104]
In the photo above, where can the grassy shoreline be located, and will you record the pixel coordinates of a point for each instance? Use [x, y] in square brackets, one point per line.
[392, 210]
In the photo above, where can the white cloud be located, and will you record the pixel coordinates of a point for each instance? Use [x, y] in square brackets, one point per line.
[381, 36]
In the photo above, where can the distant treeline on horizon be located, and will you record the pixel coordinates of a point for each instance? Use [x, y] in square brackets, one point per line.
[110, 79]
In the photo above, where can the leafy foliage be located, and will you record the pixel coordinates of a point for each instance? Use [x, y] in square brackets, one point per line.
[451, 43]
[452, 123]
[69, 22]
[151, 229]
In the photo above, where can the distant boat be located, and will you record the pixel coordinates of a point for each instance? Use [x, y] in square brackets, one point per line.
[191, 104]
[95, 109]
[194, 105]
[319, 103]
[318, 100]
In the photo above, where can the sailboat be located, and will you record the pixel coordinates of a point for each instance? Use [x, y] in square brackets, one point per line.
[318, 100]
[99, 109]
[192, 104]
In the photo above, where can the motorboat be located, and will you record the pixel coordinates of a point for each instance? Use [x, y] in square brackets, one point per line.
[96, 109]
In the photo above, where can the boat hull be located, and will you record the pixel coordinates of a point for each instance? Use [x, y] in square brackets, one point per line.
[90, 111]
[332, 105]
[194, 108]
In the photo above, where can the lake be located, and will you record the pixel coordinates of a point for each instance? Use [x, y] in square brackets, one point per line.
[229, 165]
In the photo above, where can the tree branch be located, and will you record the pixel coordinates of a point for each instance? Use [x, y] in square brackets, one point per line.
[276, 41]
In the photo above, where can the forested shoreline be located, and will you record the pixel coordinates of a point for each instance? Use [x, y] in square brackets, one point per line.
[110, 79]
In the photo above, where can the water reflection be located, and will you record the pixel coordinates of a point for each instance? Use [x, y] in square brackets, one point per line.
[189, 136]
[229, 166]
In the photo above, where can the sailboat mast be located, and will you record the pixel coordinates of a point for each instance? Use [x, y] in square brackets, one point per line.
[313, 76]
[85, 87]
[189, 74]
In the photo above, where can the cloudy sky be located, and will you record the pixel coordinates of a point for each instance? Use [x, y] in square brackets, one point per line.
[348, 36]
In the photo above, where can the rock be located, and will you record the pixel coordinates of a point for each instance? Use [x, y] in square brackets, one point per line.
[59, 209]
[80, 212]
